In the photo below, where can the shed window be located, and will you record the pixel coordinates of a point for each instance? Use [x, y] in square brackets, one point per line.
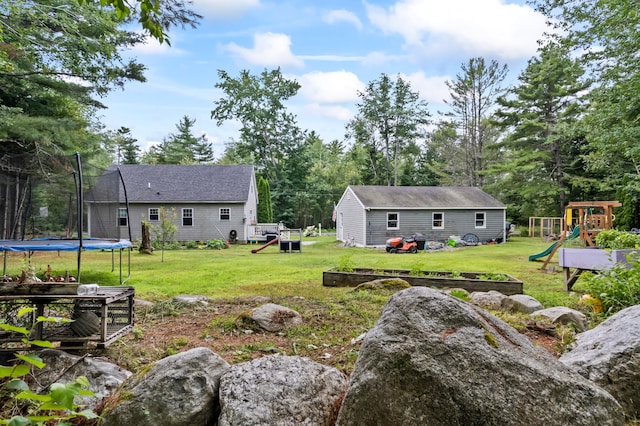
[393, 221]
[154, 215]
[481, 220]
[225, 214]
[437, 220]
[187, 217]
[122, 216]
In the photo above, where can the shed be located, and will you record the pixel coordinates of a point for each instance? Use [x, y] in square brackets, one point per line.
[369, 215]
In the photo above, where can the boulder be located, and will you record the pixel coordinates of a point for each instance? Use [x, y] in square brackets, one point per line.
[179, 390]
[280, 390]
[191, 300]
[273, 317]
[432, 359]
[491, 300]
[60, 367]
[521, 303]
[565, 316]
[609, 355]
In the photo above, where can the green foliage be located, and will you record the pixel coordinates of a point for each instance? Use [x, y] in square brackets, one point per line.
[265, 209]
[617, 287]
[460, 294]
[391, 118]
[492, 276]
[191, 244]
[165, 229]
[182, 147]
[217, 244]
[346, 264]
[616, 240]
[56, 406]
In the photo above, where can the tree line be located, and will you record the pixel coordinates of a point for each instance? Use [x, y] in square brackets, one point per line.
[566, 131]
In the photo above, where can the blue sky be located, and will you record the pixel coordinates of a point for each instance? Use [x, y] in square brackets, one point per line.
[333, 48]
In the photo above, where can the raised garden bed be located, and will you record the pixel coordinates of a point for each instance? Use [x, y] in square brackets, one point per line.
[590, 259]
[470, 281]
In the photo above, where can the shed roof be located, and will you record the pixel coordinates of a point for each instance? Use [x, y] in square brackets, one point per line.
[415, 197]
[185, 183]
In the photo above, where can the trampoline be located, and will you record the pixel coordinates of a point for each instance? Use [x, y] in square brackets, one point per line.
[77, 245]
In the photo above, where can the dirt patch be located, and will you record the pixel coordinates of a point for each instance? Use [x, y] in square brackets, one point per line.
[331, 335]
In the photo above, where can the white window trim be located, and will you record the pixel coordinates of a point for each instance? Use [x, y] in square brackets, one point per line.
[433, 219]
[484, 220]
[220, 213]
[157, 214]
[192, 216]
[122, 209]
[397, 221]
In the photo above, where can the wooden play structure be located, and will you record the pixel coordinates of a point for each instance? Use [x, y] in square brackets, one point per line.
[584, 220]
[544, 226]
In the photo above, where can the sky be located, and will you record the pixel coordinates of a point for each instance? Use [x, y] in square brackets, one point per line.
[332, 48]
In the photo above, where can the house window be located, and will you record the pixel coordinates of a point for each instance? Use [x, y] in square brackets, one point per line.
[154, 215]
[481, 220]
[393, 221]
[225, 214]
[122, 216]
[187, 217]
[437, 220]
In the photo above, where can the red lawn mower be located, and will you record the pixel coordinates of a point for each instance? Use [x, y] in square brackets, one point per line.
[402, 245]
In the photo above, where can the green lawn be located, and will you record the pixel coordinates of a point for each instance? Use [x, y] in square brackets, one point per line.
[238, 272]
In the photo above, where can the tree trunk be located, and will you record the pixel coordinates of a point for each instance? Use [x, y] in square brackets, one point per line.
[145, 245]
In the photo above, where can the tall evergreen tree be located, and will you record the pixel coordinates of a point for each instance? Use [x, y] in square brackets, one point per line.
[265, 210]
[543, 146]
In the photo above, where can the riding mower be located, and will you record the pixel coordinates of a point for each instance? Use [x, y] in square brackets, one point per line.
[402, 245]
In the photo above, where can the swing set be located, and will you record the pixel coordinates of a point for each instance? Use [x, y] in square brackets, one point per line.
[590, 218]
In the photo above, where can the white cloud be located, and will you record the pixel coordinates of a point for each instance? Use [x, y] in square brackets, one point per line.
[333, 112]
[269, 50]
[224, 9]
[330, 87]
[432, 89]
[341, 15]
[152, 46]
[476, 27]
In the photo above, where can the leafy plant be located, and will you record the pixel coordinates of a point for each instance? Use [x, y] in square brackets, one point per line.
[38, 409]
[417, 271]
[217, 244]
[491, 276]
[617, 287]
[617, 240]
[346, 264]
[191, 244]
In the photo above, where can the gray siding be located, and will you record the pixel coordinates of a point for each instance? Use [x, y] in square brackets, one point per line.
[206, 221]
[456, 222]
[350, 219]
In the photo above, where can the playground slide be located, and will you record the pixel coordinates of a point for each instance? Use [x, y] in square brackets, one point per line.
[548, 250]
[274, 241]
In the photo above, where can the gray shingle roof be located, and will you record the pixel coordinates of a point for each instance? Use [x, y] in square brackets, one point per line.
[186, 183]
[451, 197]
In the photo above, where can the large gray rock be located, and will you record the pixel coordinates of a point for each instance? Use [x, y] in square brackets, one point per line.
[521, 303]
[60, 367]
[178, 390]
[273, 317]
[609, 355]
[564, 315]
[432, 359]
[491, 300]
[280, 390]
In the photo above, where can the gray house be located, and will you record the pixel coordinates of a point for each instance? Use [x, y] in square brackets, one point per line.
[369, 215]
[210, 201]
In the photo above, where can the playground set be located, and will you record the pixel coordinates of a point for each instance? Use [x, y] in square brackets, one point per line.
[583, 220]
[289, 240]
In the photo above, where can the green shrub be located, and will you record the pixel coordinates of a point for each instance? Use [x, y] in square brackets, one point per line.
[191, 244]
[617, 240]
[217, 244]
[617, 287]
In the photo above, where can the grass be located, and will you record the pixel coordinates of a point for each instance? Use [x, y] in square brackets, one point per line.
[237, 272]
